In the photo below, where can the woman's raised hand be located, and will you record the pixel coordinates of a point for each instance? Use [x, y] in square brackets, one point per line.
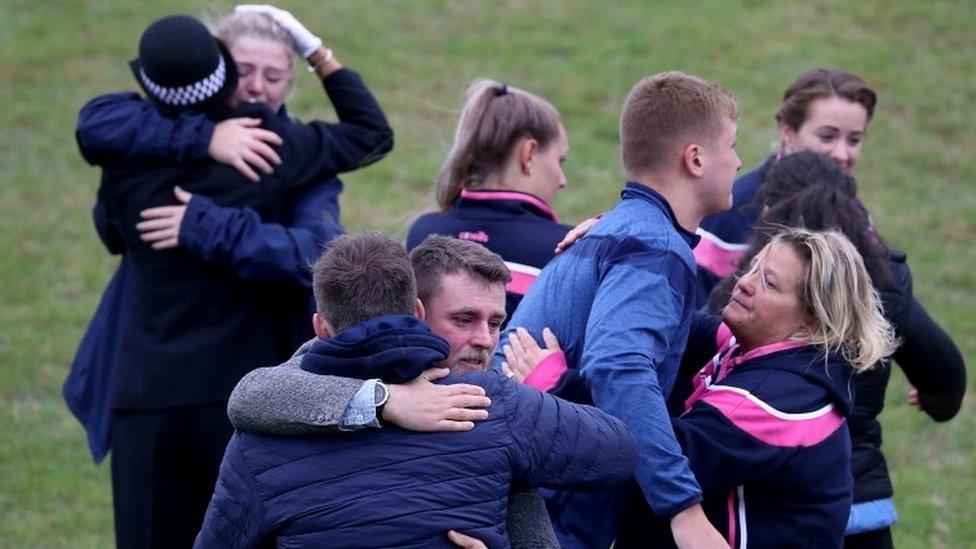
[523, 354]
[306, 42]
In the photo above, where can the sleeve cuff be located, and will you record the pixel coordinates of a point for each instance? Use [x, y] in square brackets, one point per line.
[338, 76]
[195, 228]
[684, 505]
[361, 411]
[201, 146]
[546, 374]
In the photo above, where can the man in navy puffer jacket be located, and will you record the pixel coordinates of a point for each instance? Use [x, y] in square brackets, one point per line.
[390, 487]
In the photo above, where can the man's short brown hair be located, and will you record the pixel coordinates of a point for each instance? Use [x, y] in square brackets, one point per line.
[665, 112]
[362, 276]
[439, 255]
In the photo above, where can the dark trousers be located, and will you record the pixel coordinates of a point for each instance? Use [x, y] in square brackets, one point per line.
[875, 539]
[164, 467]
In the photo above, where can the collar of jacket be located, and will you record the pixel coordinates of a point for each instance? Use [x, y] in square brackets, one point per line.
[634, 190]
[807, 361]
[515, 200]
[393, 348]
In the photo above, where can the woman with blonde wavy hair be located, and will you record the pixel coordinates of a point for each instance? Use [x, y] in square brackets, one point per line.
[805, 189]
[765, 429]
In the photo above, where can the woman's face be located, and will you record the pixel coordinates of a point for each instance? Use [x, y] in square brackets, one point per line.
[765, 306]
[834, 127]
[265, 69]
[547, 175]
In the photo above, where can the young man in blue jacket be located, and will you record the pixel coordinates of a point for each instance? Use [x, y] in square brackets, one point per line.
[391, 487]
[619, 300]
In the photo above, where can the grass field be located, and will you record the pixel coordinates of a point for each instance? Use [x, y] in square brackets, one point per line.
[916, 176]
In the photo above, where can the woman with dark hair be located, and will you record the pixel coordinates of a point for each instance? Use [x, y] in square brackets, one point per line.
[824, 110]
[807, 190]
[495, 186]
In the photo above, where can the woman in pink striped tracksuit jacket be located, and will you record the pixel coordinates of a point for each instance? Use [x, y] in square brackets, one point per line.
[765, 429]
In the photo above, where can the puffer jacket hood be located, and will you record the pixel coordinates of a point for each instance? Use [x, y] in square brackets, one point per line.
[393, 348]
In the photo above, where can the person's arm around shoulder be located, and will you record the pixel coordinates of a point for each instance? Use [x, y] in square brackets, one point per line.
[238, 240]
[125, 126]
[287, 400]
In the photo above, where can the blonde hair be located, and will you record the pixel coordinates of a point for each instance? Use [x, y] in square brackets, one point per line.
[494, 118]
[254, 25]
[837, 293]
[664, 109]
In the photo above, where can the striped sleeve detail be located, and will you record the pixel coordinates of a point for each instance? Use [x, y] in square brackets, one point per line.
[736, 509]
[743, 530]
[717, 256]
[523, 276]
[731, 518]
[771, 426]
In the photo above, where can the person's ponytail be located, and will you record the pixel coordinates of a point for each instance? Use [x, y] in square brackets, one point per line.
[494, 118]
[457, 168]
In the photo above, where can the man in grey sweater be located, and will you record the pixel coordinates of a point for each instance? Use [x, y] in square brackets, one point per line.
[462, 287]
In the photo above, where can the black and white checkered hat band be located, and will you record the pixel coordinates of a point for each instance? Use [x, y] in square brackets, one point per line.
[191, 94]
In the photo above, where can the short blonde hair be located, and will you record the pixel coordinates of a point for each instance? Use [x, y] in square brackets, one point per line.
[254, 25]
[837, 293]
[664, 110]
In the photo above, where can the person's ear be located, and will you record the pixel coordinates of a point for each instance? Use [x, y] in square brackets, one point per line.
[527, 150]
[692, 161]
[788, 137]
[321, 327]
[419, 311]
[811, 324]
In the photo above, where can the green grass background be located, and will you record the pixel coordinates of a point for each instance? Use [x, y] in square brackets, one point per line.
[916, 174]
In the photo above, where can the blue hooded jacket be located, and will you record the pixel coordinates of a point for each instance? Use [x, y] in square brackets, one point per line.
[620, 303]
[393, 488]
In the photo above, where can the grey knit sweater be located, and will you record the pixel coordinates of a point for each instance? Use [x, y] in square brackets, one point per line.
[286, 400]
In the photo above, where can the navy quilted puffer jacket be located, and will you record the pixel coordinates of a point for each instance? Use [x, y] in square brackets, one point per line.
[390, 487]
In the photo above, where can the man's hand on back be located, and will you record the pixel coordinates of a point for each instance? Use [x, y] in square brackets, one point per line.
[424, 406]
